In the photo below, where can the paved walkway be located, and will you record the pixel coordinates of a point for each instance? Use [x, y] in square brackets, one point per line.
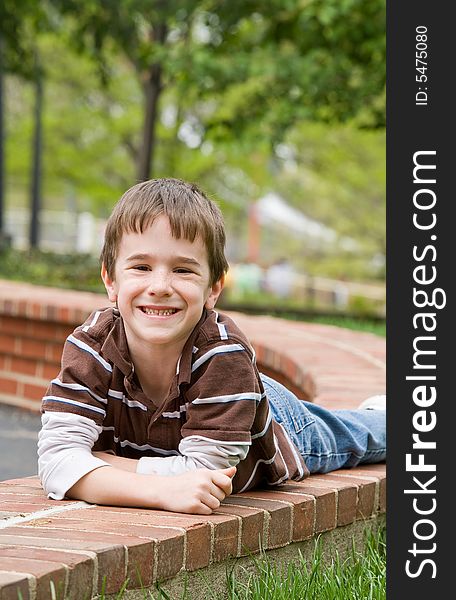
[18, 436]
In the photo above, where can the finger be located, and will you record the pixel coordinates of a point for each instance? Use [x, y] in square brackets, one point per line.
[218, 492]
[211, 501]
[202, 509]
[223, 482]
[229, 471]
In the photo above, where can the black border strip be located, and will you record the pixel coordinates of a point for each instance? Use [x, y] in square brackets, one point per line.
[421, 259]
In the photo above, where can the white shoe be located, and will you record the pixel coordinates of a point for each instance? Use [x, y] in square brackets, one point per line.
[374, 403]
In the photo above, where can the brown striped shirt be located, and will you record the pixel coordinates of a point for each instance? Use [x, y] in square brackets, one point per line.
[216, 395]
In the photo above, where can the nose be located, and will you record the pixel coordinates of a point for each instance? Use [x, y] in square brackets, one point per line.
[159, 283]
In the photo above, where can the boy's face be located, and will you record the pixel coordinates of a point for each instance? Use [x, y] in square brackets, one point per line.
[161, 285]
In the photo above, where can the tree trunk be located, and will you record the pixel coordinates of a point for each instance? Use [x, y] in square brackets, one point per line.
[153, 86]
[35, 188]
[2, 168]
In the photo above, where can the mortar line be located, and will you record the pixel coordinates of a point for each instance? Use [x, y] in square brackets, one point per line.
[42, 514]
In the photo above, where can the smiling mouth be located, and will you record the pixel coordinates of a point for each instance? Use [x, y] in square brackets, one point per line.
[159, 312]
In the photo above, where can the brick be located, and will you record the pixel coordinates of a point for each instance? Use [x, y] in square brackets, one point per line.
[382, 496]
[170, 559]
[6, 343]
[54, 352]
[14, 325]
[23, 490]
[12, 584]
[226, 536]
[63, 314]
[34, 392]
[49, 370]
[8, 385]
[372, 469]
[223, 532]
[146, 520]
[222, 529]
[347, 497]
[44, 330]
[253, 520]
[49, 312]
[169, 542]
[325, 503]
[26, 504]
[4, 514]
[110, 553]
[34, 310]
[23, 481]
[24, 366]
[31, 348]
[367, 487]
[45, 573]
[303, 514]
[344, 379]
[279, 513]
[80, 568]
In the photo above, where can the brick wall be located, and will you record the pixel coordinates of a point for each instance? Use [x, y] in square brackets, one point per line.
[338, 366]
[35, 321]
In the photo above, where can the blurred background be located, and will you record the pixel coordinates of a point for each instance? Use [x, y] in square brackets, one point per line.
[276, 109]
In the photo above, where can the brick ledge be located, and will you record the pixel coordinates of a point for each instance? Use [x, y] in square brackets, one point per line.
[76, 545]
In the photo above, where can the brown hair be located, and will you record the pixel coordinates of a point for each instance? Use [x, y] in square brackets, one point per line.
[190, 213]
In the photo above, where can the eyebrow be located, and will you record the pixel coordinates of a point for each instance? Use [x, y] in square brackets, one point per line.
[180, 259]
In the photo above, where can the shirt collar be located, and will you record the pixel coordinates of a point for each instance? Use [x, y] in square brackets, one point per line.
[115, 349]
[115, 346]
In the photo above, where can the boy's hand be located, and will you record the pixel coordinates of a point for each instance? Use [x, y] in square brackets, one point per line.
[196, 492]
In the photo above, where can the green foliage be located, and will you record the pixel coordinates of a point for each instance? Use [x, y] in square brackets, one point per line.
[20, 22]
[75, 271]
[87, 132]
[338, 178]
[239, 84]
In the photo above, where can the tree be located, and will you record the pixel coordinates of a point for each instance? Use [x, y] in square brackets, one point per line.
[37, 158]
[20, 23]
[245, 70]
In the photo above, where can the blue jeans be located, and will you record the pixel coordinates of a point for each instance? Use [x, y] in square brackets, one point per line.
[328, 439]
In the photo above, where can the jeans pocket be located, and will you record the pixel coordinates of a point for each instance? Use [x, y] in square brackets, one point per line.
[298, 416]
[286, 407]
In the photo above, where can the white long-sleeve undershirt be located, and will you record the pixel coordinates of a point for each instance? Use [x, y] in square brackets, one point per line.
[65, 453]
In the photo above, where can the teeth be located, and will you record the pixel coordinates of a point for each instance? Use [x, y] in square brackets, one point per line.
[159, 312]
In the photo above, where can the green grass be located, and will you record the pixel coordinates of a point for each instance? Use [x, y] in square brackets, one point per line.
[376, 327]
[361, 576]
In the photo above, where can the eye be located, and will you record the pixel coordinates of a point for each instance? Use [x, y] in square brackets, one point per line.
[183, 270]
[141, 268]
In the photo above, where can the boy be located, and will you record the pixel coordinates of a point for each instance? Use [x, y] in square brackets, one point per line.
[159, 402]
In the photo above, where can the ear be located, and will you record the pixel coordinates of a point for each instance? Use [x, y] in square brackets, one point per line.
[214, 292]
[109, 284]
